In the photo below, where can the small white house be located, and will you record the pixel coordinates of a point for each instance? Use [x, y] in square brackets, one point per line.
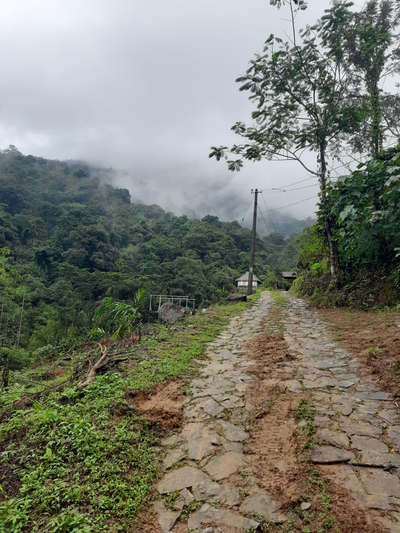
[243, 282]
[290, 276]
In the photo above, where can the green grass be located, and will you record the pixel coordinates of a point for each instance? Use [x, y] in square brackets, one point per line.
[85, 461]
[279, 298]
[306, 412]
[321, 518]
[276, 321]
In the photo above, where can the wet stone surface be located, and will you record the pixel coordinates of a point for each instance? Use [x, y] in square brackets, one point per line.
[358, 429]
[357, 439]
[209, 449]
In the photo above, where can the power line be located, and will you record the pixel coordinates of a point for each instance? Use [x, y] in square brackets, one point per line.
[264, 218]
[243, 219]
[294, 183]
[295, 203]
[299, 188]
[343, 165]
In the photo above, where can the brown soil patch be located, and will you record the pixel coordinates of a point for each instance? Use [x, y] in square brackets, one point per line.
[9, 481]
[278, 461]
[274, 441]
[147, 522]
[9, 471]
[162, 405]
[60, 372]
[374, 337]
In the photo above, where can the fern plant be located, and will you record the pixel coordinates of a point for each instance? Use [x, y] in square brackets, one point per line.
[118, 318]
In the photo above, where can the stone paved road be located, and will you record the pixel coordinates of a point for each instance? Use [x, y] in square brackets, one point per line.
[358, 424]
[358, 434]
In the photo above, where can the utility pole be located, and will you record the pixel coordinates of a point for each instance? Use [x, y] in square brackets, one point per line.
[256, 192]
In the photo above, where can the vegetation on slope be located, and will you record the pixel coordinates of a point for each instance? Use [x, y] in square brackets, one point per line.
[365, 205]
[86, 460]
[323, 92]
[67, 240]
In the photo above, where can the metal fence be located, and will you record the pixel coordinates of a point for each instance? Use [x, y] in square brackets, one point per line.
[157, 300]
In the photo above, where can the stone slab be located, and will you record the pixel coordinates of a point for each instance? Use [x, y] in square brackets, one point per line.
[264, 505]
[174, 456]
[354, 427]
[331, 455]
[182, 478]
[225, 465]
[232, 432]
[379, 482]
[228, 495]
[220, 517]
[334, 438]
[166, 518]
[368, 444]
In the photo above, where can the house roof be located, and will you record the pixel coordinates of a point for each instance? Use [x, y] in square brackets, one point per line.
[245, 277]
[289, 274]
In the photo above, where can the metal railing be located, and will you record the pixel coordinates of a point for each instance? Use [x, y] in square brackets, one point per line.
[157, 300]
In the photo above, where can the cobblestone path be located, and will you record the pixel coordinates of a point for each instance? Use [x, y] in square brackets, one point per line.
[358, 424]
[357, 437]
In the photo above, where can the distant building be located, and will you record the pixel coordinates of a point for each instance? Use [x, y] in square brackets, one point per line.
[243, 282]
[290, 276]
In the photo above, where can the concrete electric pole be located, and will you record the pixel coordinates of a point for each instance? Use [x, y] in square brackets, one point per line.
[256, 192]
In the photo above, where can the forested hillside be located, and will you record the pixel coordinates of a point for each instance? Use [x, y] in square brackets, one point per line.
[68, 239]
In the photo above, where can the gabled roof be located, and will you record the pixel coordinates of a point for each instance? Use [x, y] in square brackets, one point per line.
[289, 274]
[245, 277]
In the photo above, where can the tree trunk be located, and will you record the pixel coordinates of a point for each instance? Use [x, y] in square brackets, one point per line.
[333, 253]
[327, 217]
[376, 115]
[93, 369]
[5, 376]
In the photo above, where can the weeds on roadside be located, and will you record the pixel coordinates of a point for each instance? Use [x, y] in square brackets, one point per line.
[322, 520]
[306, 412]
[83, 460]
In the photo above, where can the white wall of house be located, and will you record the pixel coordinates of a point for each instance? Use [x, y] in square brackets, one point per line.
[246, 283]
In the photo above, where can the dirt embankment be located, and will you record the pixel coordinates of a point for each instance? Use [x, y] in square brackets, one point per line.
[372, 336]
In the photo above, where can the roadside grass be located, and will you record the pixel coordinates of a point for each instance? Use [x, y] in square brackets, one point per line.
[276, 323]
[306, 413]
[279, 298]
[84, 461]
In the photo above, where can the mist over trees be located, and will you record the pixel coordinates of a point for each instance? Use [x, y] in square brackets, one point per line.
[322, 94]
[68, 240]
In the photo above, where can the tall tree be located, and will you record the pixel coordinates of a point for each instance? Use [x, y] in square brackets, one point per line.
[365, 43]
[294, 6]
[302, 104]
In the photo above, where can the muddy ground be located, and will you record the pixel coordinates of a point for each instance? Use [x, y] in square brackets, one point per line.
[283, 429]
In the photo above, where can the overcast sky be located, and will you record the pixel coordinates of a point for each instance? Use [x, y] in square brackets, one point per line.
[144, 86]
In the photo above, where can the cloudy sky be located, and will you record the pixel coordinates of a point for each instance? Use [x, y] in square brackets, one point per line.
[145, 87]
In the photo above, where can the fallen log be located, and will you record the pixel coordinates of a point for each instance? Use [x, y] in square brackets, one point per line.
[93, 369]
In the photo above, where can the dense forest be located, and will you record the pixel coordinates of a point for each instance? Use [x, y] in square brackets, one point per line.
[68, 239]
[365, 206]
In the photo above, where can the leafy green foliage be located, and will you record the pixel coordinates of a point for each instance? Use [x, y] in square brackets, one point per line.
[87, 461]
[365, 205]
[68, 242]
[116, 318]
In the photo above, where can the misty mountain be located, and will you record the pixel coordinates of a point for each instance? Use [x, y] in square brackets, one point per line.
[223, 201]
[68, 239]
